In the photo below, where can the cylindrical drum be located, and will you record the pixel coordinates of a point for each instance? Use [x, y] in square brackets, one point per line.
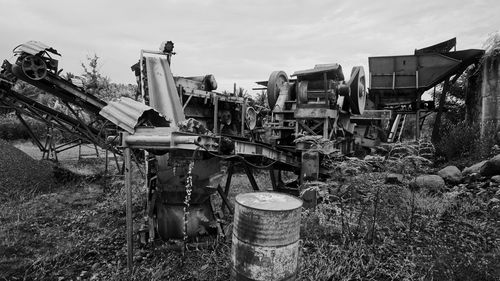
[266, 235]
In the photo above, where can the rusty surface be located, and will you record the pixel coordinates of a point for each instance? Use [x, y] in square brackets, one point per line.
[162, 90]
[128, 113]
[266, 236]
[34, 48]
[333, 70]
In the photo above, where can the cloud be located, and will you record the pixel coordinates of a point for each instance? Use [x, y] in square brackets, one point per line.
[242, 41]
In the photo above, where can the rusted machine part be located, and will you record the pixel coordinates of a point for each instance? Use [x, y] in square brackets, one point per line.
[34, 67]
[276, 80]
[170, 221]
[251, 118]
[208, 82]
[62, 89]
[172, 179]
[357, 86]
[162, 90]
[265, 241]
[302, 92]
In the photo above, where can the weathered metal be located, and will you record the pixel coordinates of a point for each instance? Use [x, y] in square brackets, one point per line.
[266, 232]
[162, 89]
[127, 114]
[276, 80]
[490, 93]
[402, 79]
[357, 86]
[34, 48]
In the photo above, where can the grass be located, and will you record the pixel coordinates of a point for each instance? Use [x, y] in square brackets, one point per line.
[364, 230]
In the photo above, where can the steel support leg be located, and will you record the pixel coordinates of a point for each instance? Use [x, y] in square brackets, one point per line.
[230, 170]
[128, 187]
[251, 178]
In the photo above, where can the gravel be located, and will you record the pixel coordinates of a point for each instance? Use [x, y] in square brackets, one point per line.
[22, 176]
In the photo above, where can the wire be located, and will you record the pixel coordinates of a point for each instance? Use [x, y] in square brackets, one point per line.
[237, 157]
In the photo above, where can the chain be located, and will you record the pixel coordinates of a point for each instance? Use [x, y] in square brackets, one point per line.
[187, 200]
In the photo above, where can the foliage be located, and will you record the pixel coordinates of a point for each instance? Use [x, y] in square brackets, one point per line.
[378, 231]
[101, 86]
[95, 83]
[492, 44]
[12, 129]
[462, 139]
[261, 99]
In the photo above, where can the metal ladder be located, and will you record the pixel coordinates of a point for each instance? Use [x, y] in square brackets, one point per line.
[397, 128]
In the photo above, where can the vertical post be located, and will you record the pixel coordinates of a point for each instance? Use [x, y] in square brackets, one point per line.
[107, 161]
[325, 128]
[417, 113]
[128, 188]
[216, 114]
[325, 85]
[243, 114]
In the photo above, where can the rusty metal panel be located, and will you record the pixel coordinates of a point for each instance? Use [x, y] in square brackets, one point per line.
[34, 48]
[266, 235]
[442, 47]
[333, 70]
[162, 89]
[418, 72]
[127, 113]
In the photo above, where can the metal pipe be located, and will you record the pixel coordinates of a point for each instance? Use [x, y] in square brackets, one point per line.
[168, 140]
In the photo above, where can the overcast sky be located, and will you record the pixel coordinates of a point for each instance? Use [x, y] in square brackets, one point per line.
[242, 41]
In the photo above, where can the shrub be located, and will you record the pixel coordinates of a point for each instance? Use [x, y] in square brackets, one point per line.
[464, 140]
[12, 129]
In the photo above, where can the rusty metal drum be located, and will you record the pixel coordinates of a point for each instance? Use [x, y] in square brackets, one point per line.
[266, 231]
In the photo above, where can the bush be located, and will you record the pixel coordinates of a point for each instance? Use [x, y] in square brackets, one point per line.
[464, 140]
[12, 129]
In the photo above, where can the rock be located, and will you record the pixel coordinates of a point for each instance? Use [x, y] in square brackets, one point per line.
[497, 194]
[476, 168]
[374, 158]
[495, 179]
[491, 167]
[493, 201]
[451, 174]
[394, 178]
[309, 197]
[377, 162]
[433, 183]
[452, 195]
[381, 150]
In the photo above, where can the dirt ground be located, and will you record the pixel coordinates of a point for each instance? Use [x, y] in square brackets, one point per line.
[364, 229]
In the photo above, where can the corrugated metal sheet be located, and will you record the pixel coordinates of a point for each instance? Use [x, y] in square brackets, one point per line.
[34, 47]
[162, 89]
[127, 113]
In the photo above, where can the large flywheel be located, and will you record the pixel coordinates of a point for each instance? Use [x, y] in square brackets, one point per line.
[357, 85]
[276, 80]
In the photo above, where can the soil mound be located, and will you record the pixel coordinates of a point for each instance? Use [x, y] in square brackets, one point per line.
[22, 176]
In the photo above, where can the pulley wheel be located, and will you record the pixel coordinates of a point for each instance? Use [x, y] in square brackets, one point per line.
[251, 118]
[34, 67]
[302, 92]
[357, 84]
[276, 80]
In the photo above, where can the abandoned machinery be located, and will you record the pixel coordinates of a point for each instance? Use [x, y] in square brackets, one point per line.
[190, 131]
